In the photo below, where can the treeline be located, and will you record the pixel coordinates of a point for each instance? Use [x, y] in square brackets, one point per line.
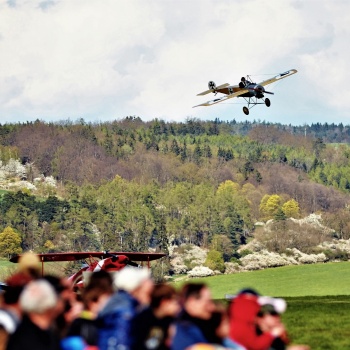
[130, 184]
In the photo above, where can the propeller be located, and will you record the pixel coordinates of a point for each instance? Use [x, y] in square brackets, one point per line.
[261, 90]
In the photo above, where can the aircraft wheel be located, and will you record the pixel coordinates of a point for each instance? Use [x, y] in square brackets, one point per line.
[245, 110]
[267, 102]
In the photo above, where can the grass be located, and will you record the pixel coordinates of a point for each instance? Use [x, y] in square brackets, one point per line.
[287, 281]
[318, 299]
[321, 322]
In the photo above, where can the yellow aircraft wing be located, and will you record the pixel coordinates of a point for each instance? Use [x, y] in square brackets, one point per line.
[213, 90]
[224, 98]
[278, 77]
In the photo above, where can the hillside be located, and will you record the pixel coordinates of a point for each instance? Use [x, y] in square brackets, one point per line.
[134, 185]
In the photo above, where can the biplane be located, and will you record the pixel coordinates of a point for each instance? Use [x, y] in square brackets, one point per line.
[96, 261]
[252, 92]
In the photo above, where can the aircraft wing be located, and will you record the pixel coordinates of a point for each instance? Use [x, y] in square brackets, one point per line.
[278, 77]
[224, 98]
[212, 90]
[73, 256]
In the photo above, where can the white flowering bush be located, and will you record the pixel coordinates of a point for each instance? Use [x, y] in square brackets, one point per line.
[231, 267]
[14, 168]
[186, 257]
[341, 244]
[22, 185]
[50, 181]
[178, 265]
[263, 260]
[200, 271]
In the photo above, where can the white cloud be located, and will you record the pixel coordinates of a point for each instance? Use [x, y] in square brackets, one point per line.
[108, 59]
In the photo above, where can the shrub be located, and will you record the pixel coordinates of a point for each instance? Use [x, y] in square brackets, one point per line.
[200, 271]
[215, 261]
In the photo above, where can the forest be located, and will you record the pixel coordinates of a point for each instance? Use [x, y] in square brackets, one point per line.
[131, 185]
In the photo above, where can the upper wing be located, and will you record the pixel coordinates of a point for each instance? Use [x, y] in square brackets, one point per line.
[224, 98]
[278, 77]
[212, 90]
[73, 256]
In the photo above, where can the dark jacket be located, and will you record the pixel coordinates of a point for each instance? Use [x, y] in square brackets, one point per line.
[150, 332]
[29, 336]
[191, 330]
[114, 322]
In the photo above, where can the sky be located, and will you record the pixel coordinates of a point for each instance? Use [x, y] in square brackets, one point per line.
[103, 60]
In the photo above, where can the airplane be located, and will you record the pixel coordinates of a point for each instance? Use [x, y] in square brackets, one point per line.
[247, 89]
[109, 261]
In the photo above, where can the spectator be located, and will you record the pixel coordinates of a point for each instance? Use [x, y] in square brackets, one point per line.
[68, 306]
[268, 318]
[151, 326]
[193, 324]
[11, 313]
[38, 302]
[94, 296]
[243, 315]
[115, 319]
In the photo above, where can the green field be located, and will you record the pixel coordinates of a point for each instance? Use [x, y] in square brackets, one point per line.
[318, 298]
[287, 281]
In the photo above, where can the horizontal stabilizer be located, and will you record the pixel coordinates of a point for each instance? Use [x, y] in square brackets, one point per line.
[213, 90]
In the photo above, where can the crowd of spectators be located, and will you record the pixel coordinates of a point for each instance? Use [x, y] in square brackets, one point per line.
[127, 311]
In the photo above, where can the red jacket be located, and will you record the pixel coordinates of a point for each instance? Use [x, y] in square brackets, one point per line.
[243, 311]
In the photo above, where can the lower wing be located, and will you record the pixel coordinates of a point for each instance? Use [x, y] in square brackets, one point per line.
[224, 98]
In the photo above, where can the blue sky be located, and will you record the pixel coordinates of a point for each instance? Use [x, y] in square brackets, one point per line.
[106, 59]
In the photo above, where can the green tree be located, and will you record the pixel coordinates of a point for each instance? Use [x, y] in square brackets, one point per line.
[215, 261]
[291, 209]
[10, 242]
[269, 206]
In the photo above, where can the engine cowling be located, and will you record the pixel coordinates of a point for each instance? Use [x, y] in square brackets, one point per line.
[256, 90]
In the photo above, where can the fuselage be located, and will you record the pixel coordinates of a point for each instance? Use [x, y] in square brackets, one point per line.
[254, 90]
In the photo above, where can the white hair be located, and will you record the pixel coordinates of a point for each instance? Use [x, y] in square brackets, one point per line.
[37, 297]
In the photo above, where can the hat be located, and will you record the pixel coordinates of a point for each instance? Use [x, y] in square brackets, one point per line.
[130, 278]
[269, 304]
[28, 261]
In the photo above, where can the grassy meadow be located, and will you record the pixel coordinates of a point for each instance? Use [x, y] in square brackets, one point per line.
[318, 298]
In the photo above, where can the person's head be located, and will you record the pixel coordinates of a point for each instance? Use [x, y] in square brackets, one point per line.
[38, 297]
[268, 318]
[102, 279]
[164, 300]
[94, 296]
[135, 281]
[29, 263]
[14, 287]
[197, 301]
[220, 321]
[245, 306]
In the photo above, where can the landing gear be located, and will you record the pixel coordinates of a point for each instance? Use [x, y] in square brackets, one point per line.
[245, 110]
[267, 102]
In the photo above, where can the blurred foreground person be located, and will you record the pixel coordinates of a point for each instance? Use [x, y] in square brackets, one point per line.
[220, 322]
[151, 326]
[268, 318]
[193, 324]
[115, 319]
[38, 302]
[244, 310]
[10, 312]
[68, 305]
[94, 296]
